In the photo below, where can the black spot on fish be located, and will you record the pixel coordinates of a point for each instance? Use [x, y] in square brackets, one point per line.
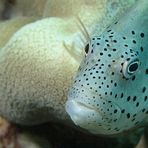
[123, 111]
[128, 115]
[142, 49]
[133, 32]
[146, 71]
[142, 35]
[145, 98]
[144, 89]
[128, 98]
[134, 98]
[134, 41]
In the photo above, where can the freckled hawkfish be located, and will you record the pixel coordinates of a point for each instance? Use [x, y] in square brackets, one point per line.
[110, 91]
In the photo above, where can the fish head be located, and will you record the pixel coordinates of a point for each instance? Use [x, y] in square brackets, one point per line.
[110, 91]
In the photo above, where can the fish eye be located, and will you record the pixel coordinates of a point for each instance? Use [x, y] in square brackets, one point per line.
[130, 68]
[86, 49]
[133, 67]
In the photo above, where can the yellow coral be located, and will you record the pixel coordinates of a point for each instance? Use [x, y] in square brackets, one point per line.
[9, 27]
[36, 71]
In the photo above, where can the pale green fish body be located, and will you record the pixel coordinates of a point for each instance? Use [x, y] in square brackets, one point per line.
[110, 91]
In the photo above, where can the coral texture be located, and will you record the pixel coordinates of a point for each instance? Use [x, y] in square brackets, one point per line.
[9, 27]
[36, 71]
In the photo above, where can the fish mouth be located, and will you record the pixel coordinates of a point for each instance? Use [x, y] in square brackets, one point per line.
[82, 105]
[75, 107]
[89, 118]
[83, 115]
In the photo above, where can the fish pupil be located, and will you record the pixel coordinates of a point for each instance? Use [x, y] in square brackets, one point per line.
[87, 48]
[133, 67]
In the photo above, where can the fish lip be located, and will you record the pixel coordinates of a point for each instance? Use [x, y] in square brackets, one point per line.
[78, 112]
[83, 105]
[79, 104]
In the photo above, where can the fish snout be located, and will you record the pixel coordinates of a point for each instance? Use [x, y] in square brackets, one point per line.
[88, 117]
